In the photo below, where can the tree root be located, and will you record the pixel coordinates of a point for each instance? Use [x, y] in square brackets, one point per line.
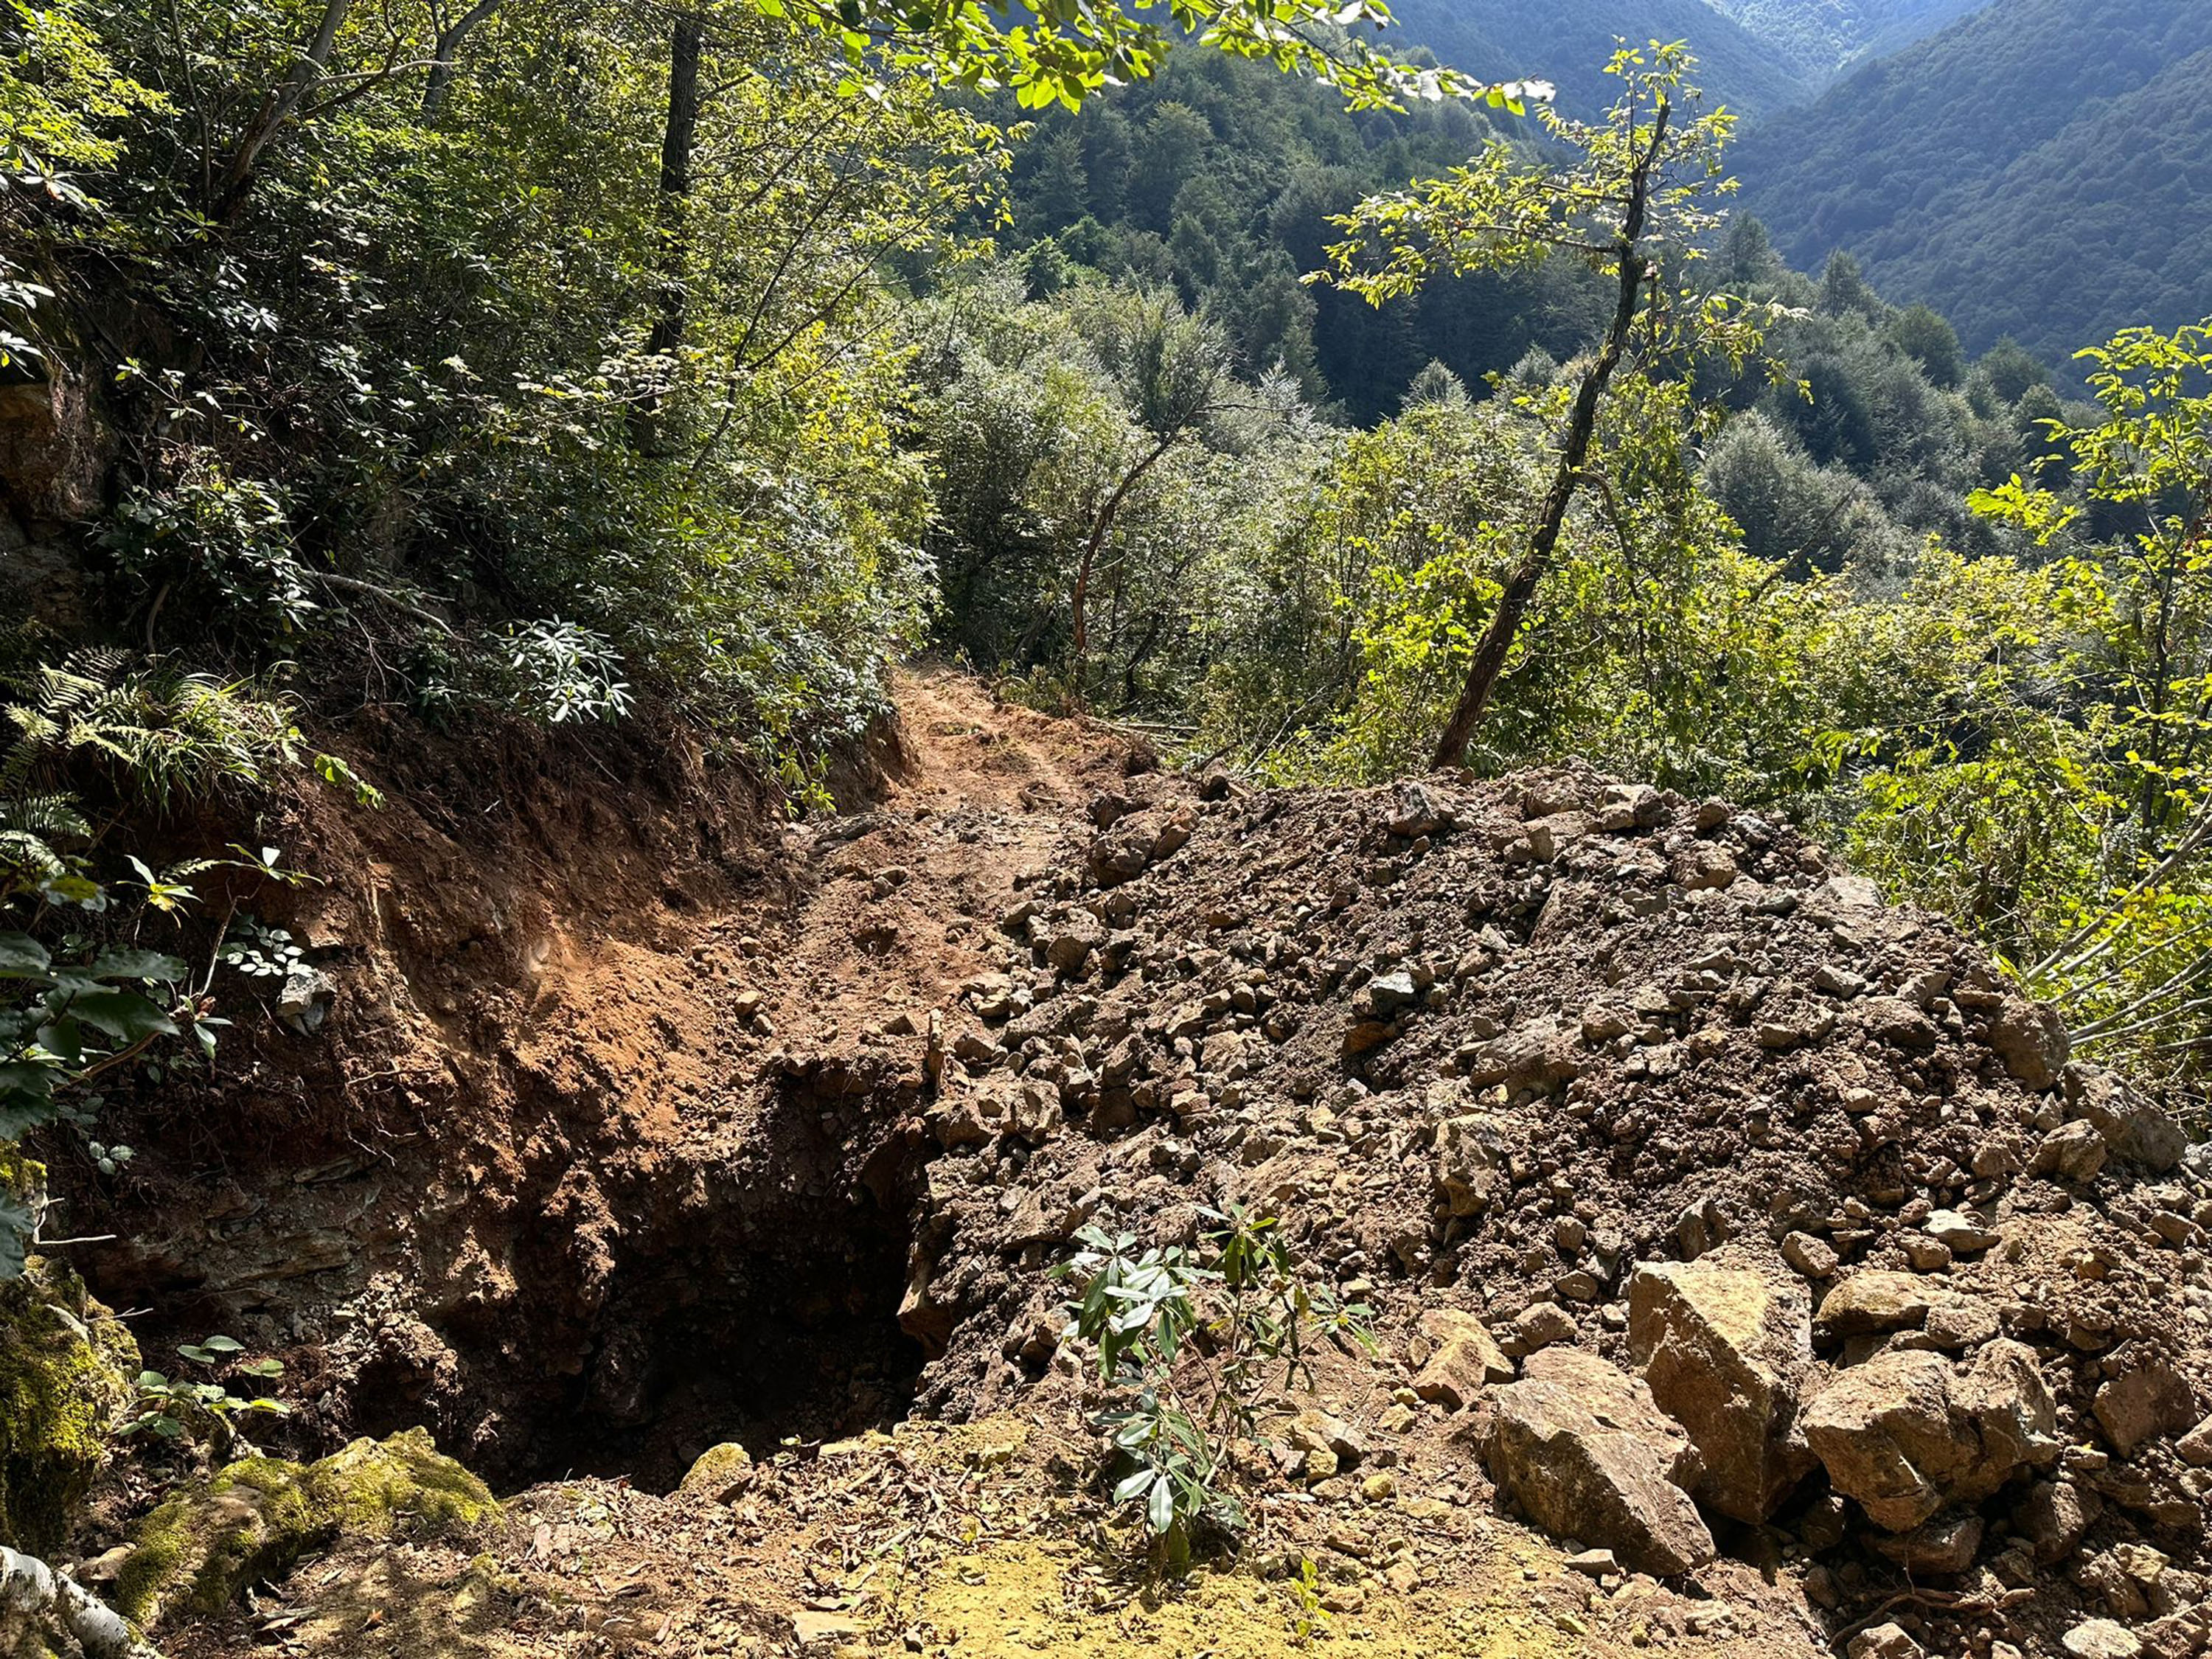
[30, 1589]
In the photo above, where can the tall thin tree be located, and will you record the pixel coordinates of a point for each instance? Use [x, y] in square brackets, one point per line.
[1643, 179]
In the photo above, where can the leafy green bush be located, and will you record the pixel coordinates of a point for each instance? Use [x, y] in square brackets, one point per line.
[80, 999]
[1185, 1340]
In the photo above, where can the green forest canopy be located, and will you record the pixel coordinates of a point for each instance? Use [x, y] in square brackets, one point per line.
[2038, 171]
[588, 358]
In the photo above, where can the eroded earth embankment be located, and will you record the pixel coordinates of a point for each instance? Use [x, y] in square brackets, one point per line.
[1754, 1272]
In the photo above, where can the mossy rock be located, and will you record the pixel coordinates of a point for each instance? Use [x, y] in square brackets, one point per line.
[66, 1371]
[722, 1473]
[250, 1521]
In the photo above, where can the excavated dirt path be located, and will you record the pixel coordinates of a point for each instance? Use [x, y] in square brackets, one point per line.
[1611, 1104]
[792, 1034]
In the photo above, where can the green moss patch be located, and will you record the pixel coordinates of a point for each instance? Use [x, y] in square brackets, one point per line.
[722, 1472]
[65, 1370]
[249, 1521]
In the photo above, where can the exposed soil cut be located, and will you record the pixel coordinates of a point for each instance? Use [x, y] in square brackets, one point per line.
[1758, 1232]
[550, 1184]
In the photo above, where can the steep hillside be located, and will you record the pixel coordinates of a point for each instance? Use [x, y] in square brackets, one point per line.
[1820, 38]
[1900, 23]
[1569, 42]
[2031, 172]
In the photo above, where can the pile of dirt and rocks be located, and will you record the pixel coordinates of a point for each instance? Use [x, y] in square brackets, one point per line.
[1722, 1209]
[1754, 1272]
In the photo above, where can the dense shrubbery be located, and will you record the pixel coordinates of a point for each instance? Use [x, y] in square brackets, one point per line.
[462, 374]
[544, 385]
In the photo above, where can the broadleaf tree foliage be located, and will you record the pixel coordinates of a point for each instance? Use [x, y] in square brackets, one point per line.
[569, 359]
[1642, 181]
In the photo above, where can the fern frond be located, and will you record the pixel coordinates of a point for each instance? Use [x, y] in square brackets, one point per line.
[20, 850]
[165, 735]
[49, 815]
[77, 683]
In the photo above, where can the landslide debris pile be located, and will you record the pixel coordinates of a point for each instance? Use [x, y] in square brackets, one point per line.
[1709, 1203]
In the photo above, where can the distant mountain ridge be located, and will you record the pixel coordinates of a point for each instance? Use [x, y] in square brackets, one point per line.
[1757, 57]
[2041, 168]
[1820, 39]
[1568, 43]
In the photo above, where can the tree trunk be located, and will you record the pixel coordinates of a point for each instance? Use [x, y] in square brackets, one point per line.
[1497, 642]
[687, 43]
[277, 108]
[1080, 649]
[442, 56]
[57, 1607]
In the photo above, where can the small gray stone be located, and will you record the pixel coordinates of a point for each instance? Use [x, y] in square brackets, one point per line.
[1961, 1234]
[1945, 1547]
[1848, 893]
[1417, 811]
[1391, 991]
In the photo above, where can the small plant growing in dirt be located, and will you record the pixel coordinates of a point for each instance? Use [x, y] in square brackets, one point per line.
[171, 1407]
[1311, 1619]
[1186, 1342]
[257, 951]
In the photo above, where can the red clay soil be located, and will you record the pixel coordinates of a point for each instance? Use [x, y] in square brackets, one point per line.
[642, 1123]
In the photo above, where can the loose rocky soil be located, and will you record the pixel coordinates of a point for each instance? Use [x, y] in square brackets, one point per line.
[1754, 1272]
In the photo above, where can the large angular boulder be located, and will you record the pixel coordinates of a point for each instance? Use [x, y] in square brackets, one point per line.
[2148, 1401]
[1471, 1154]
[2134, 1127]
[2030, 1038]
[1136, 843]
[1580, 1445]
[1908, 1432]
[1725, 1350]
[2054, 1517]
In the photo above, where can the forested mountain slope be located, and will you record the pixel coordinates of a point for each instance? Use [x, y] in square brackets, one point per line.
[2034, 171]
[1757, 57]
[1900, 24]
[1219, 179]
[1820, 38]
[1568, 41]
